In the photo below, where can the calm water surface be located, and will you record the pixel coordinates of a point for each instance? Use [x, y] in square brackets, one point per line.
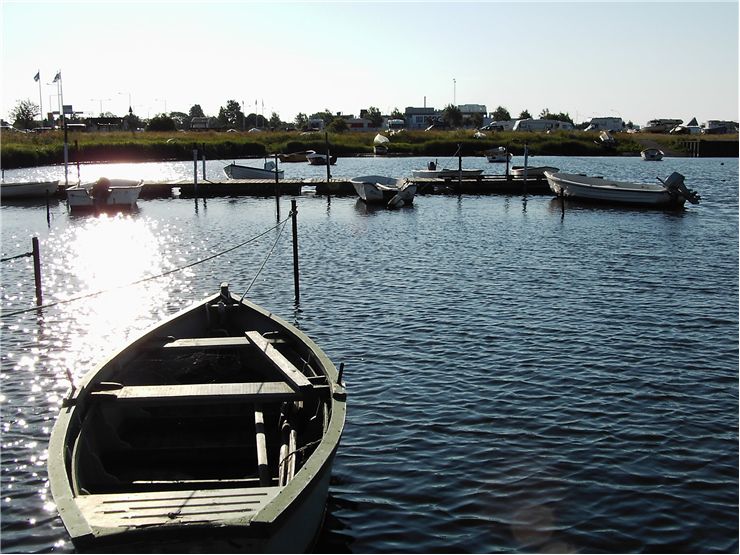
[521, 379]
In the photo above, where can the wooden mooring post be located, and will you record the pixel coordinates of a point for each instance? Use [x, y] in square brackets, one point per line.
[37, 270]
[195, 170]
[294, 217]
[277, 189]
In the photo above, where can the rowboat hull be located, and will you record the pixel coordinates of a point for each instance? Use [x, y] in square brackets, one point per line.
[35, 189]
[377, 189]
[317, 159]
[118, 194]
[295, 156]
[235, 171]
[158, 448]
[608, 191]
[537, 171]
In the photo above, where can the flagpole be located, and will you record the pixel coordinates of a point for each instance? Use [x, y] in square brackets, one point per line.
[41, 104]
[64, 122]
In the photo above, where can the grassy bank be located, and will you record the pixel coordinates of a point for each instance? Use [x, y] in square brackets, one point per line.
[29, 149]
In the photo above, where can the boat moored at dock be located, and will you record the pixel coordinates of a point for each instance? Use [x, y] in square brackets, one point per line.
[671, 193]
[104, 194]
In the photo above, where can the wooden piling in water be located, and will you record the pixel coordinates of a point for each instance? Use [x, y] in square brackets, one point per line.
[294, 217]
[37, 270]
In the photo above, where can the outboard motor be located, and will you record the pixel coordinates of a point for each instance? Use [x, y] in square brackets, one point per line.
[674, 183]
[269, 165]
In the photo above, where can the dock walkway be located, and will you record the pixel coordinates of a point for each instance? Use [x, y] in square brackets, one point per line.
[480, 185]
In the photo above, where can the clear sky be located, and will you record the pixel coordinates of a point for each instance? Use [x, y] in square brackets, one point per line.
[635, 60]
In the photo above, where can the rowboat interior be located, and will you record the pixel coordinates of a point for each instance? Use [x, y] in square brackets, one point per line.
[208, 424]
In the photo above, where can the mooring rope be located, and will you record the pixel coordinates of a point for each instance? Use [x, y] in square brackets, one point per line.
[267, 257]
[163, 274]
[16, 256]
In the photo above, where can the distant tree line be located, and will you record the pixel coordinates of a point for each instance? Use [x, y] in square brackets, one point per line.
[26, 115]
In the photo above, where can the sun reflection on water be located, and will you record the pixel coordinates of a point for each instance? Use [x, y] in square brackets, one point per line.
[108, 254]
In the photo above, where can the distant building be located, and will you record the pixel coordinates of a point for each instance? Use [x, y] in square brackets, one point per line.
[421, 118]
[357, 124]
[200, 123]
[315, 124]
[719, 127]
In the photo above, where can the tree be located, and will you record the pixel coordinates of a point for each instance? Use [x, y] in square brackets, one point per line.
[477, 120]
[231, 115]
[132, 122]
[255, 120]
[161, 122]
[301, 120]
[375, 117]
[326, 116]
[337, 125]
[24, 114]
[501, 114]
[397, 114]
[196, 111]
[452, 116]
[181, 119]
[525, 115]
[275, 121]
[546, 114]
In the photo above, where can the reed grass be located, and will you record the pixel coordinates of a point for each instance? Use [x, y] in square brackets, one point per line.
[31, 149]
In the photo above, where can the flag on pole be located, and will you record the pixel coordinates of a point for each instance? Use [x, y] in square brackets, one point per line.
[57, 77]
[37, 76]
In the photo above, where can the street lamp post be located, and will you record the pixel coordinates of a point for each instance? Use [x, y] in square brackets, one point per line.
[165, 103]
[454, 92]
[101, 103]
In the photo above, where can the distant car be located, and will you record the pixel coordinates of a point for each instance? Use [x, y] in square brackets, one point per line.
[254, 130]
[233, 131]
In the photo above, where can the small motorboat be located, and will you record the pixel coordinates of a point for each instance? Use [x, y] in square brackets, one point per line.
[235, 171]
[318, 159]
[652, 155]
[671, 193]
[104, 194]
[28, 189]
[498, 155]
[432, 172]
[213, 431]
[378, 189]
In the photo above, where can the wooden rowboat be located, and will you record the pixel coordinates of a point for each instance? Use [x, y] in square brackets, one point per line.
[215, 431]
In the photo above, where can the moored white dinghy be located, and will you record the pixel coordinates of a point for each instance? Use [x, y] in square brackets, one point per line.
[30, 189]
[105, 194]
[379, 189]
[236, 171]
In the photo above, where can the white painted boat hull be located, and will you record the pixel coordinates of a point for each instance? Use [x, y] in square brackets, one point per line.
[37, 189]
[604, 190]
[123, 193]
[518, 171]
[235, 171]
[376, 189]
[652, 155]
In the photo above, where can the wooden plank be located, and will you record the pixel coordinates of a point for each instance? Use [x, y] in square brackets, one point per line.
[207, 343]
[168, 507]
[253, 391]
[259, 427]
[279, 362]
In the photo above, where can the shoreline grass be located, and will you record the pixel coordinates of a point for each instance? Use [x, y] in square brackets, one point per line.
[18, 150]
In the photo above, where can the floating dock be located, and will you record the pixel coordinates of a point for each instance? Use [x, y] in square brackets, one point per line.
[481, 185]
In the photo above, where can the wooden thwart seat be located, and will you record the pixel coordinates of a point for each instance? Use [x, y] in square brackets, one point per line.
[252, 391]
[286, 368]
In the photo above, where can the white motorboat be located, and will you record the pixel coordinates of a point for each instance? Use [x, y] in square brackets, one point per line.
[28, 189]
[318, 159]
[652, 155]
[104, 194]
[445, 173]
[671, 193]
[498, 155]
[235, 171]
[378, 189]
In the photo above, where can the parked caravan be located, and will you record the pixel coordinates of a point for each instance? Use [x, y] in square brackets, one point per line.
[605, 124]
[541, 125]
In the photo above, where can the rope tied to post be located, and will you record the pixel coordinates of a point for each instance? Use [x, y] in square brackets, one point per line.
[163, 274]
